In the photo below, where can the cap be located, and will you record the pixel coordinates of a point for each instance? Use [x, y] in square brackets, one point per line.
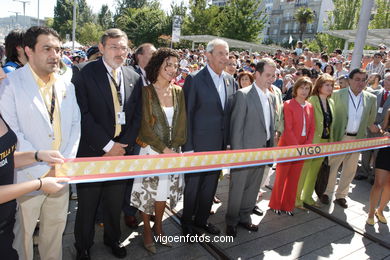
[92, 50]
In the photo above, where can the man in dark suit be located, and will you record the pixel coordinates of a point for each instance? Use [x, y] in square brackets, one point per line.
[207, 96]
[109, 97]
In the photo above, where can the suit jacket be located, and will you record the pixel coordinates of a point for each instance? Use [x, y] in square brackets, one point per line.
[207, 121]
[380, 117]
[293, 123]
[247, 125]
[279, 124]
[341, 101]
[319, 117]
[23, 108]
[97, 109]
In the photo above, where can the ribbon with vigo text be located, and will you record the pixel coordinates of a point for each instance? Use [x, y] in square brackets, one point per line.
[94, 169]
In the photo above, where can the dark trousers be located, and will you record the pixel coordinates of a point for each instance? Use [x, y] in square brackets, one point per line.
[7, 233]
[199, 192]
[127, 209]
[89, 194]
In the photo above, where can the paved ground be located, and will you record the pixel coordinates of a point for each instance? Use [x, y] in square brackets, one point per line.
[306, 235]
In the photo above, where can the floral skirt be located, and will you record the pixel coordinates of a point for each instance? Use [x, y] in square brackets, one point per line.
[146, 191]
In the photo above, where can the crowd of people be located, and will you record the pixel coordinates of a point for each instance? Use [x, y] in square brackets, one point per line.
[109, 100]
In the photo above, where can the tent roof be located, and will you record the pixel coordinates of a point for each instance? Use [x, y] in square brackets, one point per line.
[69, 44]
[233, 43]
[375, 37]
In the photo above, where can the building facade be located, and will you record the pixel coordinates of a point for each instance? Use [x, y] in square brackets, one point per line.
[282, 23]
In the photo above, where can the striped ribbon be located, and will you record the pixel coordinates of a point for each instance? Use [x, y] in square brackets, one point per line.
[93, 169]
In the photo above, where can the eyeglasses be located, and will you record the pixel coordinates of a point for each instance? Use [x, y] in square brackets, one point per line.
[116, 48]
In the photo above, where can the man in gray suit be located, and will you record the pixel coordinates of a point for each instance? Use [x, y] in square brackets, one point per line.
[207, 95]
[251, 126]
[383, 104]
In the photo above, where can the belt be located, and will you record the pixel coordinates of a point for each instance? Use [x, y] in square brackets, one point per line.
[350, 134]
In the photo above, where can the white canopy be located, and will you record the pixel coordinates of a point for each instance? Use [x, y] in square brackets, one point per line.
[233, 43]
[375, 37]
[70, 44]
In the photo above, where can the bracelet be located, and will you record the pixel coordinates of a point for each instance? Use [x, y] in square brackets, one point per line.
[36, 157]
[40, 183]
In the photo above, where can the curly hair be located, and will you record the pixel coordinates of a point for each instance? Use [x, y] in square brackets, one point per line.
[153, 68]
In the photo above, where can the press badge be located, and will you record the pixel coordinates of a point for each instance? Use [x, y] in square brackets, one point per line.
[121, 118]
[380, 110]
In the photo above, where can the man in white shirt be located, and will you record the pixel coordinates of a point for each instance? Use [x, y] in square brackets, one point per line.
[355, 111]
[251, 126]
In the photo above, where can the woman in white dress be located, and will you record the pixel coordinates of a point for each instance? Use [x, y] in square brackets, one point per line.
[163, 130]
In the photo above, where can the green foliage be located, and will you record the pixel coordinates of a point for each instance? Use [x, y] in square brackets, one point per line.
[105, 17]
[304, 16]
[63, 16]
[241, 20]
[202, 19]
[143, 24]
[344, 17]
[382, 17]
[90, 33]
[63, 12]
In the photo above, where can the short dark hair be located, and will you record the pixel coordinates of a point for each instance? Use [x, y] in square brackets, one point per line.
[12, 40]
[112, 34]
[242, 74]
[261, 63]
[153, 68]
[324, 70]
[356, 71]
[32, 34]
[301, 82]
[377, 75]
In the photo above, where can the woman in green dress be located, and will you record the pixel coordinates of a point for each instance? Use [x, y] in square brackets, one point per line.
[323, 113]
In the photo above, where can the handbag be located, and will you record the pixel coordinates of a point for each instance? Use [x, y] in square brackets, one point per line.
[322, 177]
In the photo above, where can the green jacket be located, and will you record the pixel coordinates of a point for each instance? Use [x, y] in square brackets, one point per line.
[155, 130]
[341, 101]
[319, 117]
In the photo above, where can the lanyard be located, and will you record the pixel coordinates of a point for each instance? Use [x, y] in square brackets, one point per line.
[52, 105]
[353, 102]
[117, 87]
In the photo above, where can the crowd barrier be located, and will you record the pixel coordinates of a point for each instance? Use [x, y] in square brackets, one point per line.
[93, 169]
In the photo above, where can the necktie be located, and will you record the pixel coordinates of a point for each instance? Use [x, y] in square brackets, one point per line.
[385, 96]
[117, 107]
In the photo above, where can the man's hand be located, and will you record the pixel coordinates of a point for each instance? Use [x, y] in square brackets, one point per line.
[167, 150]
[117, 149]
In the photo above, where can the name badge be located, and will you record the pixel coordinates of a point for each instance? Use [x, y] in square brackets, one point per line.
[121, 118]
[380, 110]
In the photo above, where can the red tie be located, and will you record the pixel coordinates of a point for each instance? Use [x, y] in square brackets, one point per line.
[385, 96]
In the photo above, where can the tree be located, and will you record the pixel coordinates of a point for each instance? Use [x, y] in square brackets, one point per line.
[143, 24]
[85, 14]
[242, 20]
[90, 33]
[382, 17]
[202, 18]
[105, 17]
[63, 17]
[304, 16]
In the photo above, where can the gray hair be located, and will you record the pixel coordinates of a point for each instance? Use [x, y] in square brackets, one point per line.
[216, 42]
[387, 75]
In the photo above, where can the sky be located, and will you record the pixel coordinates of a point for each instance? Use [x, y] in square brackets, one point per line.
[8, 7]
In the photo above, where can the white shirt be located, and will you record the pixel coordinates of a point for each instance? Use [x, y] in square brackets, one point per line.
[110, 144]
[355, 112]
[219, 84]
[266, 108]
[304, 120]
